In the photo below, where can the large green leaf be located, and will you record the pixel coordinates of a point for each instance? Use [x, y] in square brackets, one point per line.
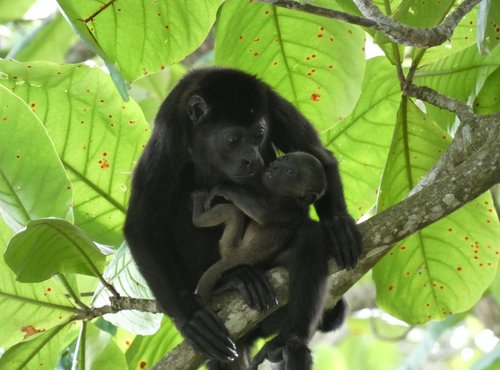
[489, 25]
[33, 183]
[446, 267]
[459, 76]
[314, 62]
[149, 92]
[464, 36]
[488, 99]
[31, 252]
[13, 10]
[101, 351]
[146, 351]
[27, 309]
[128, 281]
[422, 13]
[361, 141]
[97, 136]
[36, 47]
[41, 352]
[142, 37]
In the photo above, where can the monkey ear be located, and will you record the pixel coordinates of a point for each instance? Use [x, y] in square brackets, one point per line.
[310, 197]
[197, 109]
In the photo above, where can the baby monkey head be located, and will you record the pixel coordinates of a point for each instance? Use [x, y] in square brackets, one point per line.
[298, 175]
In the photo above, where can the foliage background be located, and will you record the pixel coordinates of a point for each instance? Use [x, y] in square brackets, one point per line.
[75, 115]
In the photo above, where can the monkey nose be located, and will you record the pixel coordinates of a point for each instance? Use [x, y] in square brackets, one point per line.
[246, 163]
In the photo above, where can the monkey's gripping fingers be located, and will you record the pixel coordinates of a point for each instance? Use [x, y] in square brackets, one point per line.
[345, 240]
[253, 285]
[206, 333]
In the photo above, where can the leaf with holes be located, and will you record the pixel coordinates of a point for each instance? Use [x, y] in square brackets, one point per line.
[142, 37]
[33, 183]
[361, 141]
[50, 246]
[446, 267]
[97, 136]
[314, 62]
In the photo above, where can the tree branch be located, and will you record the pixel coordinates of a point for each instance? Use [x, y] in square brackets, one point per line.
[394, 30]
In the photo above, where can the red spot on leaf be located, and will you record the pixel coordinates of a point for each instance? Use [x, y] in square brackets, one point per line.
[459, 268]
[142, 364]
[390, 288]
[315, 97]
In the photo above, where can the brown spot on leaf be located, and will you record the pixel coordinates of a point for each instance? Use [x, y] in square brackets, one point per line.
[30, 330]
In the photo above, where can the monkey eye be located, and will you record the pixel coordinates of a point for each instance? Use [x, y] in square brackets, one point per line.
[290, 171]
[260, 133]
[232, 139]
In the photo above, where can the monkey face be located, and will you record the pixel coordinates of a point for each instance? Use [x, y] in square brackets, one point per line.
[297, 175]
[227, 145]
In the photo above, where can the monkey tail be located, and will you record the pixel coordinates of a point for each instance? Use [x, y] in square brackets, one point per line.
[210, 277]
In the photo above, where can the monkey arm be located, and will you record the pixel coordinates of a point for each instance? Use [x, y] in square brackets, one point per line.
[255, 207]
[226, 214]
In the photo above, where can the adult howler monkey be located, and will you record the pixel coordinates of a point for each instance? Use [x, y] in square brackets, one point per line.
[278, 208]
[221, 126]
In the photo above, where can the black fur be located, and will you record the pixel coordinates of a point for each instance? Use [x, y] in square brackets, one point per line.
[184, 155]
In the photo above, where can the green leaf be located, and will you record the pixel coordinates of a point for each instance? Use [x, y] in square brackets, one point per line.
[422, 13]
[459, 76]
[101, 351]
[463, 36]
[446, 267]
[150, 91]
[123, 274]
[41, 352]
[488, 25]
[30, 253]
[97, 135]
[13, 10]
[142, 37]
[314, 62]
[33, 183]
[488, 100]
[146, 351]
[27, 309]
[36, 47]
[361, 141]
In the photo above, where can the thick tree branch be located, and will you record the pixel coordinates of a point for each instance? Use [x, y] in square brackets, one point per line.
[376, 20]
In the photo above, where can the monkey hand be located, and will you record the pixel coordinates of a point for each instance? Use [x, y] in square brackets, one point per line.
[253, 285]
[206, 333]
[216, 192]
[292, 351]
[345, 240]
